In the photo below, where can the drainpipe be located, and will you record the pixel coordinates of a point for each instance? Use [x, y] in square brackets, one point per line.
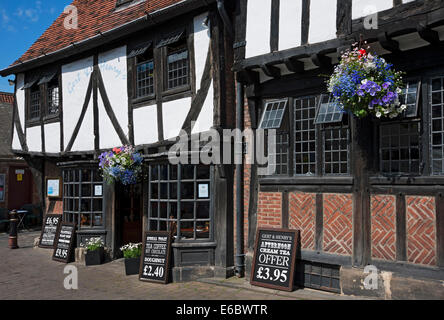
[225, 18]
[240, 253]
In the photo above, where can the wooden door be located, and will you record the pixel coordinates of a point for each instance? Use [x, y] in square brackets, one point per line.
[20, 187]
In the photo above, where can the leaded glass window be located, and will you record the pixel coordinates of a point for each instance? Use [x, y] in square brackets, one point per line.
[399, 148]
[178, 68]
[83, 197]
[181, 196]
[336, 150]
[329, 110]
[437, 125]
[34, 103]
[305, 136]
[273, 114]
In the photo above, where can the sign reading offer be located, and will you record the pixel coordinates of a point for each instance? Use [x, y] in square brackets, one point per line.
[49, 231]
[155, 262]
[274, 259]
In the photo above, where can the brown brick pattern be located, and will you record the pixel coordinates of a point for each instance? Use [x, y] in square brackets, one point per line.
[269, 213]
[338, 221]
[383, 231]
[421, 230]
[302, 214]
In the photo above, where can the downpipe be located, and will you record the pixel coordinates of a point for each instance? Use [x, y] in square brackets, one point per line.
[240, 250]
[225, 18]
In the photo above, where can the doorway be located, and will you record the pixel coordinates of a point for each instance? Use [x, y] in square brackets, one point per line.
[129, 214]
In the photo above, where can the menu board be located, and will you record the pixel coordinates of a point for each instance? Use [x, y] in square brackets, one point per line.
[274, 259]
[50, 227]
[155, 262]
[64, 243]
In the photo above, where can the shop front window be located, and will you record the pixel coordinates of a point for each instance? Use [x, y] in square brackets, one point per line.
[83, 197]
[180, 197]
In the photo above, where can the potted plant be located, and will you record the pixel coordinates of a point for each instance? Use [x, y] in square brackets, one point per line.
[132, 253]
[95, 252]
[121, 165]
[364, 84]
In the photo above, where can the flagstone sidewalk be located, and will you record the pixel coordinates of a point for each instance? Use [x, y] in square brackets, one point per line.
[29, 273]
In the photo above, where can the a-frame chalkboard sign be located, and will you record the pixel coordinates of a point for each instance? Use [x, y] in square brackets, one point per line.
[156, 257]
[64, 243]
[274, 258]
[50, 228]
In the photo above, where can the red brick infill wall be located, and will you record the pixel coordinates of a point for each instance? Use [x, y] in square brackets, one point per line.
[338, 224]
[421, 230]
[302, 216]
[269, 213]
[383, 230]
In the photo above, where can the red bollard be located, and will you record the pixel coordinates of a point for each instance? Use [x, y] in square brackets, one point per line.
[13, 234]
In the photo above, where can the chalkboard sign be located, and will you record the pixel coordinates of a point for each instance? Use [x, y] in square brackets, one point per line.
[50, 227]
[64, 243]
[274, 259]
[155, 262]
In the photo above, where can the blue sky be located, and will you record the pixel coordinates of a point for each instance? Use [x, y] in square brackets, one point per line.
[22, 22]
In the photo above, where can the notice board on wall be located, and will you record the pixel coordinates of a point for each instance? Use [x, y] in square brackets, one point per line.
[51, 225]
[156, 256]
[64, 242]
[274, 258]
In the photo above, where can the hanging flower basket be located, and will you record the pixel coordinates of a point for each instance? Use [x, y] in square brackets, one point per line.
[365, 84]
[121, 165]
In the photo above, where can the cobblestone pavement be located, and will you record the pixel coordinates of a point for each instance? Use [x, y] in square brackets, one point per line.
[30, 273]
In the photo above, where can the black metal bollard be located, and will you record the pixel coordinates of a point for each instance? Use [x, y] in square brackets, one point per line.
[13, 234]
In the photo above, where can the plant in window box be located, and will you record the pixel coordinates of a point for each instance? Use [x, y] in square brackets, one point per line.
[132, 253]
[364, 84]
[95, 252]
[121, 165]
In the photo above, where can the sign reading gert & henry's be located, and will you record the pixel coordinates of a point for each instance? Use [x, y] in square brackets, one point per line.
[274, 259]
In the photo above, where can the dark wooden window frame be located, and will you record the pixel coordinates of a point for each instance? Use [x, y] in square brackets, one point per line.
[44, 117]
[179, 201]
[68, 196]
[319, 147]
[164, 52]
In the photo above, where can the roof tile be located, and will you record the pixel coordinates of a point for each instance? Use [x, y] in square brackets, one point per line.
[94, 16]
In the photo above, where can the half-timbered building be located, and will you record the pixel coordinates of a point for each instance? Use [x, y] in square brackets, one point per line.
[132, 72]
[362, 192]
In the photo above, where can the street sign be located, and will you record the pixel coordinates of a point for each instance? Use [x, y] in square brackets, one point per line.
[274, 259]
[156, 256]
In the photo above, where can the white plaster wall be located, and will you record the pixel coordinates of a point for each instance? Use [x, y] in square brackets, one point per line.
[205, 119]
[145, 125]
[108, 135]
[362, 8]
[290, 20]
[113, 67]
[34, 139]
[85, 137]
[75, 80]
[174, 115]
[52, 137]
[322, 20]
[20, 96]
[16, 141]
[258, 27]
[201, 46]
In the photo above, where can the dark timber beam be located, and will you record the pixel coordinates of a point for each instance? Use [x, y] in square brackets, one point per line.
[388, 43]
[428, 35]
[248, 77]
[294, 65]
[271, 71]
[320, 60]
